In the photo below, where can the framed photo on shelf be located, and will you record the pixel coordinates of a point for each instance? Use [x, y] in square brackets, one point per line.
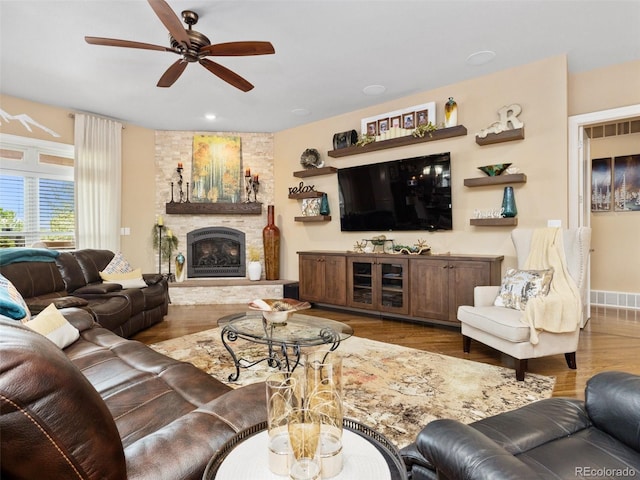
[407, 118]
[408, 121]
[372, 128]
[601, 185]
[626, 183]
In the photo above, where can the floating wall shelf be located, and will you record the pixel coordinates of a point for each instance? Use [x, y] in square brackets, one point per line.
[494, 222]
[312, 172]
[497, 180]
[314, 218]
[193, 208]
[506, 136]
[299, 196]
[441, 134]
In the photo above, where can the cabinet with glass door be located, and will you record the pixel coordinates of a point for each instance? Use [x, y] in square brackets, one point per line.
[377, 283]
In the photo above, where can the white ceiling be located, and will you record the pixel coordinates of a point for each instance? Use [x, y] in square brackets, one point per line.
[326, 53]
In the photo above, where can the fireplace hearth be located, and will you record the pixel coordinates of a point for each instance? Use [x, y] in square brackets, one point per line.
[216, 252]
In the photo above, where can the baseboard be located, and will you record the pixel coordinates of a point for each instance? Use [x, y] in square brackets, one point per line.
[615, 299]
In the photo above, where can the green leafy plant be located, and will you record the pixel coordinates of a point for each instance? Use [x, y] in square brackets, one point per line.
[365, 139]
[169, 242]
[421, 130]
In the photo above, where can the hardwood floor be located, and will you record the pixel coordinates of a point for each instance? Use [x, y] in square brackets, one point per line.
[610, 340]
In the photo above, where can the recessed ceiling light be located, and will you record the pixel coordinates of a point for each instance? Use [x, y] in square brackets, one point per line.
[481, 57]
[301, 112]
[374, 89]
[210, 116]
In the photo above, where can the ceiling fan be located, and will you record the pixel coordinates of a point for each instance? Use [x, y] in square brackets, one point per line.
[192, 46]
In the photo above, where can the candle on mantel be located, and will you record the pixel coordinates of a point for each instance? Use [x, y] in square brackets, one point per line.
[255, 179]
[160, 220]
[247, 172]
[179, 164]
[169, 233]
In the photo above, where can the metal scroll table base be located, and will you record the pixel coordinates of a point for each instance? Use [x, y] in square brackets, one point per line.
[278, 350]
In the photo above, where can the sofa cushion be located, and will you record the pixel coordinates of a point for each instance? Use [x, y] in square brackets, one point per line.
[118, 264]
[502, 322]
[132, 279]
[12, 304]
[92, 261]
[518, 286]
[52, 324]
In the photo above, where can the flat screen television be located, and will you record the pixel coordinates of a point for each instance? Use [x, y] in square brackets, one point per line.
[407, 194]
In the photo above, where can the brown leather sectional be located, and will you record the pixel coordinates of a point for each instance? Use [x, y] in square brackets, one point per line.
[73, 280]
[110, 408]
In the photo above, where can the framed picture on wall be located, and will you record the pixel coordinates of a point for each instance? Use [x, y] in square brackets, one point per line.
[626, 183]
[601, 199]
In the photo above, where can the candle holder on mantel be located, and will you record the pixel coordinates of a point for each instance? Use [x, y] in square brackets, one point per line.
[251, 184]
[183, 196]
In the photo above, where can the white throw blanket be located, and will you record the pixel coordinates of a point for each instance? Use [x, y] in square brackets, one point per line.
[559, 311]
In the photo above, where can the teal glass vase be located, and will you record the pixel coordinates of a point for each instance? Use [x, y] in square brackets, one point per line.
[509, 203]
[324, 205]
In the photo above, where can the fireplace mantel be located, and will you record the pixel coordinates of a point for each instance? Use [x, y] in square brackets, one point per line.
[193, 208]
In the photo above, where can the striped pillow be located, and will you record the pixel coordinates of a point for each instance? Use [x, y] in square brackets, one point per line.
[12, 304]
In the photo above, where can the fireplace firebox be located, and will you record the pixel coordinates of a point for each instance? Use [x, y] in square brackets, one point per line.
[216, 252]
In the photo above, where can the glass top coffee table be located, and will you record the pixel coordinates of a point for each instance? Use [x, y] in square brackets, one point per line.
[284, 340]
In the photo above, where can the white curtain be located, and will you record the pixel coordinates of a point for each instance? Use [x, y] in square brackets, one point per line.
[98, 145]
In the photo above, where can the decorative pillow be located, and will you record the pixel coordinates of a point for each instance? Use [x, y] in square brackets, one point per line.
[12, 304]
[131, 279]
[518, 286]
[52, 324]
[118, 264]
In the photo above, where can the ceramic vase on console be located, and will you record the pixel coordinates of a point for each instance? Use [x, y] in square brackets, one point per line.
[255, 270]
[450, 113]
[509, 203]
[271, 244]
[180, 270]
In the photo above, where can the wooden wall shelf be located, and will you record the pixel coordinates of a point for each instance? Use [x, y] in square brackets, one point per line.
[299, 196]
[314, 218]
[440, 134]
[497, 180]
[506, 136]
[193, 208]
[494, 222]
[312, 172]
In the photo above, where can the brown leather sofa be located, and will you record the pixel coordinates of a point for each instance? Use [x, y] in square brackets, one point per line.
[73, 280]
[110, 408]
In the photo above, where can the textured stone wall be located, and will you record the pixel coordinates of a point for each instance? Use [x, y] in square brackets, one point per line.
[173, 147]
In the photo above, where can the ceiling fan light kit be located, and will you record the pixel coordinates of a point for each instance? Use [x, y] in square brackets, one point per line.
[192, 46]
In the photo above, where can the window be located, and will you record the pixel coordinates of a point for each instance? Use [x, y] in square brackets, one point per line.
[37, 198]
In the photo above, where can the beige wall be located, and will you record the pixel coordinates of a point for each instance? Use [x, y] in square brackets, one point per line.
[616, 235]
[138, 170]
[541, 90]
[604, 88]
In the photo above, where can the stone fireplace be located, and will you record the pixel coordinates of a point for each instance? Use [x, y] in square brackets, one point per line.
[216, 252]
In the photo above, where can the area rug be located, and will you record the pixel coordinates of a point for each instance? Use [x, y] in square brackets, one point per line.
[394, 389]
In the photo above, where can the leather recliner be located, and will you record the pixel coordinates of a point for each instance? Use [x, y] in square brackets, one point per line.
[109, 408]
[556, 438]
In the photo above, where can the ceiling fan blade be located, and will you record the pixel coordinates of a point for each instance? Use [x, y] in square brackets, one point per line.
[235, 49]
[172, 74]
[114, 42]
[170, 20]
[227, 75]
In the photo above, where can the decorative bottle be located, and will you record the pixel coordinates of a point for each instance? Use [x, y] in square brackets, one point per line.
[180, 272]
[271, 244]
[509, 203]
[450, 113]
[324, 205]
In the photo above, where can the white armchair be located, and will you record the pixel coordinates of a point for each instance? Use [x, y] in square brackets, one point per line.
[504, 329]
